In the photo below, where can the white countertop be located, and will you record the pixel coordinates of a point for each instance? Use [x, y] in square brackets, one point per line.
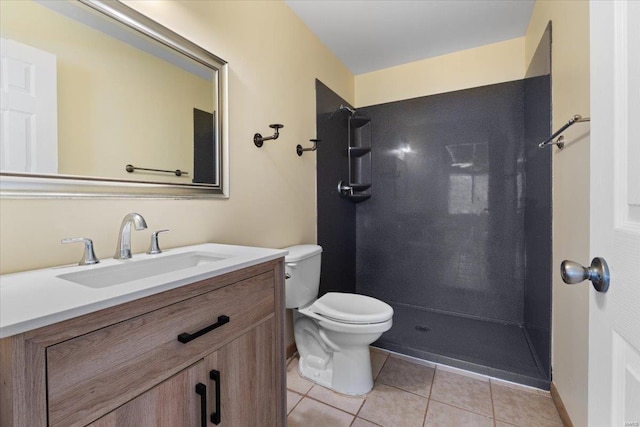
[37, 298]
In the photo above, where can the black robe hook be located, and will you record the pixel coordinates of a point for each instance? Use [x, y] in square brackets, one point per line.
[258, 139]
[300, 150]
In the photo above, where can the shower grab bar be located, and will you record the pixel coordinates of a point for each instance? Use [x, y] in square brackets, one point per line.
[177, 172]
[560, 142]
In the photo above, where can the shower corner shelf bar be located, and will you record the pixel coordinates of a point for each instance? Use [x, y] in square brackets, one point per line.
[353, 192]
[359, 151]
[359, 186]
[359, 154]
[358, 122]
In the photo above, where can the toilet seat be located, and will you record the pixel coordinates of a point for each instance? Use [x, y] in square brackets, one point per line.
[351, 308]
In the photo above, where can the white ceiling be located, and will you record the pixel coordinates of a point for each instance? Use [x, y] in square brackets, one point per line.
[369, 35]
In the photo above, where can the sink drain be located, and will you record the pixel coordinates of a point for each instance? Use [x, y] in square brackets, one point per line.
[421, 328]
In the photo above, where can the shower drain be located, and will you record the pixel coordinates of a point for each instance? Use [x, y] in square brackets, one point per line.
[421, 328]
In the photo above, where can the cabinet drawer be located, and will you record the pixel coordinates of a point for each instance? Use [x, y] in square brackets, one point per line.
[93, 374]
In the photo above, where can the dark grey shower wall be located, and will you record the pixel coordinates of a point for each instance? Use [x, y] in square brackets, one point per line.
[444, 229]
[537, 301]
[538, 206]
[336, 216]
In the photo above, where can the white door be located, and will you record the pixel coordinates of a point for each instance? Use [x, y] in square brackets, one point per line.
[29, 111]
[614, 316]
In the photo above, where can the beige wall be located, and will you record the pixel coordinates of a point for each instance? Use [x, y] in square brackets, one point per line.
[274, 60]
[570, 93]
[484, 65]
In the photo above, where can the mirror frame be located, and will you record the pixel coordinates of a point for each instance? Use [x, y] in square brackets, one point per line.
[18, 185]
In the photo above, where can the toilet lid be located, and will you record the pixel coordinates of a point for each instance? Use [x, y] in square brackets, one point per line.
[352, 308]
[300, 252]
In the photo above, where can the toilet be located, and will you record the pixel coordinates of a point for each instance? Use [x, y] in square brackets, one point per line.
[333, 332]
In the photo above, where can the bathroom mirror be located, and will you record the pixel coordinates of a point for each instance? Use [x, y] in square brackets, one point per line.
[101, 101]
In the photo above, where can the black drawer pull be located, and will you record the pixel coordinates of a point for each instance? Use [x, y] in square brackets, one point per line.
[201, 389]
[186, 337]
[215, 376]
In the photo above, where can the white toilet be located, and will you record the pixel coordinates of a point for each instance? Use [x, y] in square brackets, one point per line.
[333, 332]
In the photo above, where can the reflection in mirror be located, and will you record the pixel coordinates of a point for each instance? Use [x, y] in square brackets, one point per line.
[92, 87]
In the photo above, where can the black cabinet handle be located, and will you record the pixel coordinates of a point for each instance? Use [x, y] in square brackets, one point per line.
[215, 376]
[201, 389]
[186, 337]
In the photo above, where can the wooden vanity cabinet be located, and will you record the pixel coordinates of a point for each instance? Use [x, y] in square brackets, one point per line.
[244, 370]
[124, 366]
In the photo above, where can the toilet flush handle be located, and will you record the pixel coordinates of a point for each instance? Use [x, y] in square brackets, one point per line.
[290, 265]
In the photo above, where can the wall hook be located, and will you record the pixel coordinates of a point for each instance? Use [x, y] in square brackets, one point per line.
[259, 139]
[300, 150]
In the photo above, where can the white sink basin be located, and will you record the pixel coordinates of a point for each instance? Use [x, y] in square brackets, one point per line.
[130, 270]
[37, 298]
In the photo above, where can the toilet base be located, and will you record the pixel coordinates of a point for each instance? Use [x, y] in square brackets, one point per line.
[309, 370]
[334, 354]
[347, 372]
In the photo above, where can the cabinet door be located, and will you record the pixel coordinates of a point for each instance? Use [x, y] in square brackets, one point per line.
[246, 369]
[247, 379]
[174, 402]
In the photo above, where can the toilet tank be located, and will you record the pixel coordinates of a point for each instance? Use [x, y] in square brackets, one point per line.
[302, 267]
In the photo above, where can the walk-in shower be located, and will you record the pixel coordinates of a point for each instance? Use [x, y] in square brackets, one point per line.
[456, 236]
[444, 239]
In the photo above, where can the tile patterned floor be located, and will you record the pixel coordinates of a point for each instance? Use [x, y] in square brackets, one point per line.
[409, 393]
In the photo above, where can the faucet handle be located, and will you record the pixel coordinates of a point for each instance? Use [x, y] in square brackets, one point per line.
[89, 257]
[155, 248]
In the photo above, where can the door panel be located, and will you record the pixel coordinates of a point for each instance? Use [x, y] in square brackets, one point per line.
[29, 110]
[614, 318]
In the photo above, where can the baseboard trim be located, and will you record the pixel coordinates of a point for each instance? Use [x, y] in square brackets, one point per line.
[291, 350]
[562, 410]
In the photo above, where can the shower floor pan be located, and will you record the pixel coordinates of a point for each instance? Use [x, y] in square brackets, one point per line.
[486, 347]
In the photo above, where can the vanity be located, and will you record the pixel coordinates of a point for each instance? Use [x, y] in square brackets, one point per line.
[124, 343]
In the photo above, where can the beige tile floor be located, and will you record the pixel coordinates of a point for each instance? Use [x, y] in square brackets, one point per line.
[409, 393]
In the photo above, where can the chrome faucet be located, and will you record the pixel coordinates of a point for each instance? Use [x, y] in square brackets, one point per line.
[123, 250]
